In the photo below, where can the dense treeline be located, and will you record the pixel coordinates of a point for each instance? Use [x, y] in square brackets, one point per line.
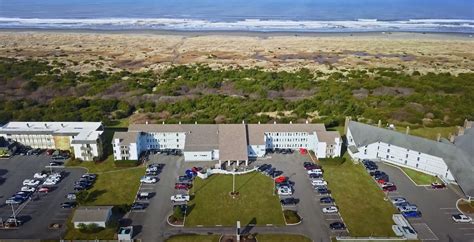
[36, 90]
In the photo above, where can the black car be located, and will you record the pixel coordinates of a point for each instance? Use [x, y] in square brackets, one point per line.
[68, 205]
[264, 167]
[90, 176]
[323, 190]
[138, 206]
[79, 188]
[289, 201]
[307, 163]
[371, 168]
[269, 171]
[326, 200]
[382, 177]
[337, 226]
[277, 173]
[313, 175]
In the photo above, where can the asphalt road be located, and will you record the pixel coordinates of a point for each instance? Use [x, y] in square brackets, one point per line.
[43, 209]
[436, 206]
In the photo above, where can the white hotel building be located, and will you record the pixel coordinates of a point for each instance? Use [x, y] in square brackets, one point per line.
[81, 138]
[225, 142]
[452, 162]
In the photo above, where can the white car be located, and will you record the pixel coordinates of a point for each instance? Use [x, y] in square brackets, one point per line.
[180, 198]
[30, 182]
[315, 171]
[396, 200]
[148, 179]
[461, 218]
[40, 175]
[285, 191]
[49, 182]
[319, 182]
[28, 189]
[152, 168]
[331, 209]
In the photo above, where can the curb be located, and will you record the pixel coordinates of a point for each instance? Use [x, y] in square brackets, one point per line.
[173, 225]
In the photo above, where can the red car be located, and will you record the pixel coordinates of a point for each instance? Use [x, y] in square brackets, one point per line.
[182, 186]
[196, 169]
[381, 181]
[437, 185]
[44, 189]
[389, 188]
[281, 179]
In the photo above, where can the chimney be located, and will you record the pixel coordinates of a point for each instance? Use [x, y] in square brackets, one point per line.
[460, 130]
[163, 122]
[243, 121]
[146, 122]
[407, 132]
[379, 124]
[62, 125]
[438, 137]
[451, 138]
[45, 125]
[28, 125]
[346, 124]
[179, 122]
[307, 122]
[195, 122]
[258, 122]
[291, 122]
[274, 122]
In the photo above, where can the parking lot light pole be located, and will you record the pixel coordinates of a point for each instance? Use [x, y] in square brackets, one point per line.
[13, 214]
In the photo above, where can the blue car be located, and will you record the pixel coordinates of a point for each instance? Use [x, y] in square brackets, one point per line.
[412, 214]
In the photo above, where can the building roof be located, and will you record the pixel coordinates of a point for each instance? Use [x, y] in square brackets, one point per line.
[329, 137]
[459, 162]
[233, 142]
[203, 137]
[256, 131]
[126, 138]
[82, 131]
[91, 214]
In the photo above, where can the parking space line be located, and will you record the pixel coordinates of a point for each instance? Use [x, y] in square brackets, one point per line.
[332, 218]
[466, 228]
[448, 208]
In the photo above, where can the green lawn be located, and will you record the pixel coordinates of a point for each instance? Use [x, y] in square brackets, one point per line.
[282, 238]
[420, 178]
[114, 185]
[74, 234]
[429, 132]
[360, 201]
[194, 238]
[256, 203]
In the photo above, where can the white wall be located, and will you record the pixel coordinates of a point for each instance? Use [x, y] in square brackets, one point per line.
[403, 157]
[34, 140]
[321, 150]
[163, 140]
[198, 156]
[256, 150]
[93, 149]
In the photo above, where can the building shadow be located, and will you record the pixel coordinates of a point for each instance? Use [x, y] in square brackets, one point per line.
[250, 225]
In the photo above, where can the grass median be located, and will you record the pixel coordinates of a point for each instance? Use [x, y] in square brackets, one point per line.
[255, 204]
[420, 178]
[361, 203]
[194, 238]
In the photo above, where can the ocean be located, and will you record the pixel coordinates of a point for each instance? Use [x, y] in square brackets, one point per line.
[456, 16]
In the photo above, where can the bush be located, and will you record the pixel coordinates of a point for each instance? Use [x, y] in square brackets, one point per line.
[126, 163]
[178, 215]
[90, 228]
[291, 217]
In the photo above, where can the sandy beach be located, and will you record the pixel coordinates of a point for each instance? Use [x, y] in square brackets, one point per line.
[83, 51]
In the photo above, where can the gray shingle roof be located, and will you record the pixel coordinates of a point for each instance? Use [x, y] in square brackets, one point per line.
[126, 138]
[91, 214]
[233, 142]
[202, 137]
[460, 163]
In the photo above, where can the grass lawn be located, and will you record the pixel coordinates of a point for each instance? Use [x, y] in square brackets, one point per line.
[361, 203]
[74, 234]
[114, 185]
[256, 204]
[429, 132]
[420, 178]
[194, 238]
[282, 238]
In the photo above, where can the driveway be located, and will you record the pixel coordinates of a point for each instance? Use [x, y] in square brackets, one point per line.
[42, 209]
[436, 206]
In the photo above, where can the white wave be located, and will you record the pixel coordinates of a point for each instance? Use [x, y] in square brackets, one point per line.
[436, 25]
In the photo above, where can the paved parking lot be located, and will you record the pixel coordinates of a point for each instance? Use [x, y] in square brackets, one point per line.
[436, 207]
[42, 209]
[315, 224]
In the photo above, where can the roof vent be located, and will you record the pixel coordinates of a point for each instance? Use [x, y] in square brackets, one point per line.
[62, 125]
[28, 125]
[45, 125]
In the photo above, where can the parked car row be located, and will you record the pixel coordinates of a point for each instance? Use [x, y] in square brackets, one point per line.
[151, 177]
[315, 175]
[85, 182]
[39, 183]
[406, 208]
[279, 151]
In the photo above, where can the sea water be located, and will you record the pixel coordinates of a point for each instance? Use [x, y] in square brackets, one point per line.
[242, 15]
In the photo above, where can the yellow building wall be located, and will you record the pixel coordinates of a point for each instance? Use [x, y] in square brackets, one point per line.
[62, 142]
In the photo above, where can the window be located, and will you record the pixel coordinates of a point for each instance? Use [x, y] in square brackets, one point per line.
[387, 156]
[388, 150]
[406, 156]
[418, 159]
[416, 165]
[406, 162]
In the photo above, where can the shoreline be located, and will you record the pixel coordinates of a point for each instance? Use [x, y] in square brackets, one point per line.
[261, 34]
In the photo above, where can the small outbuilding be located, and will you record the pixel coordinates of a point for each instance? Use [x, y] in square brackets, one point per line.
[99, 215]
